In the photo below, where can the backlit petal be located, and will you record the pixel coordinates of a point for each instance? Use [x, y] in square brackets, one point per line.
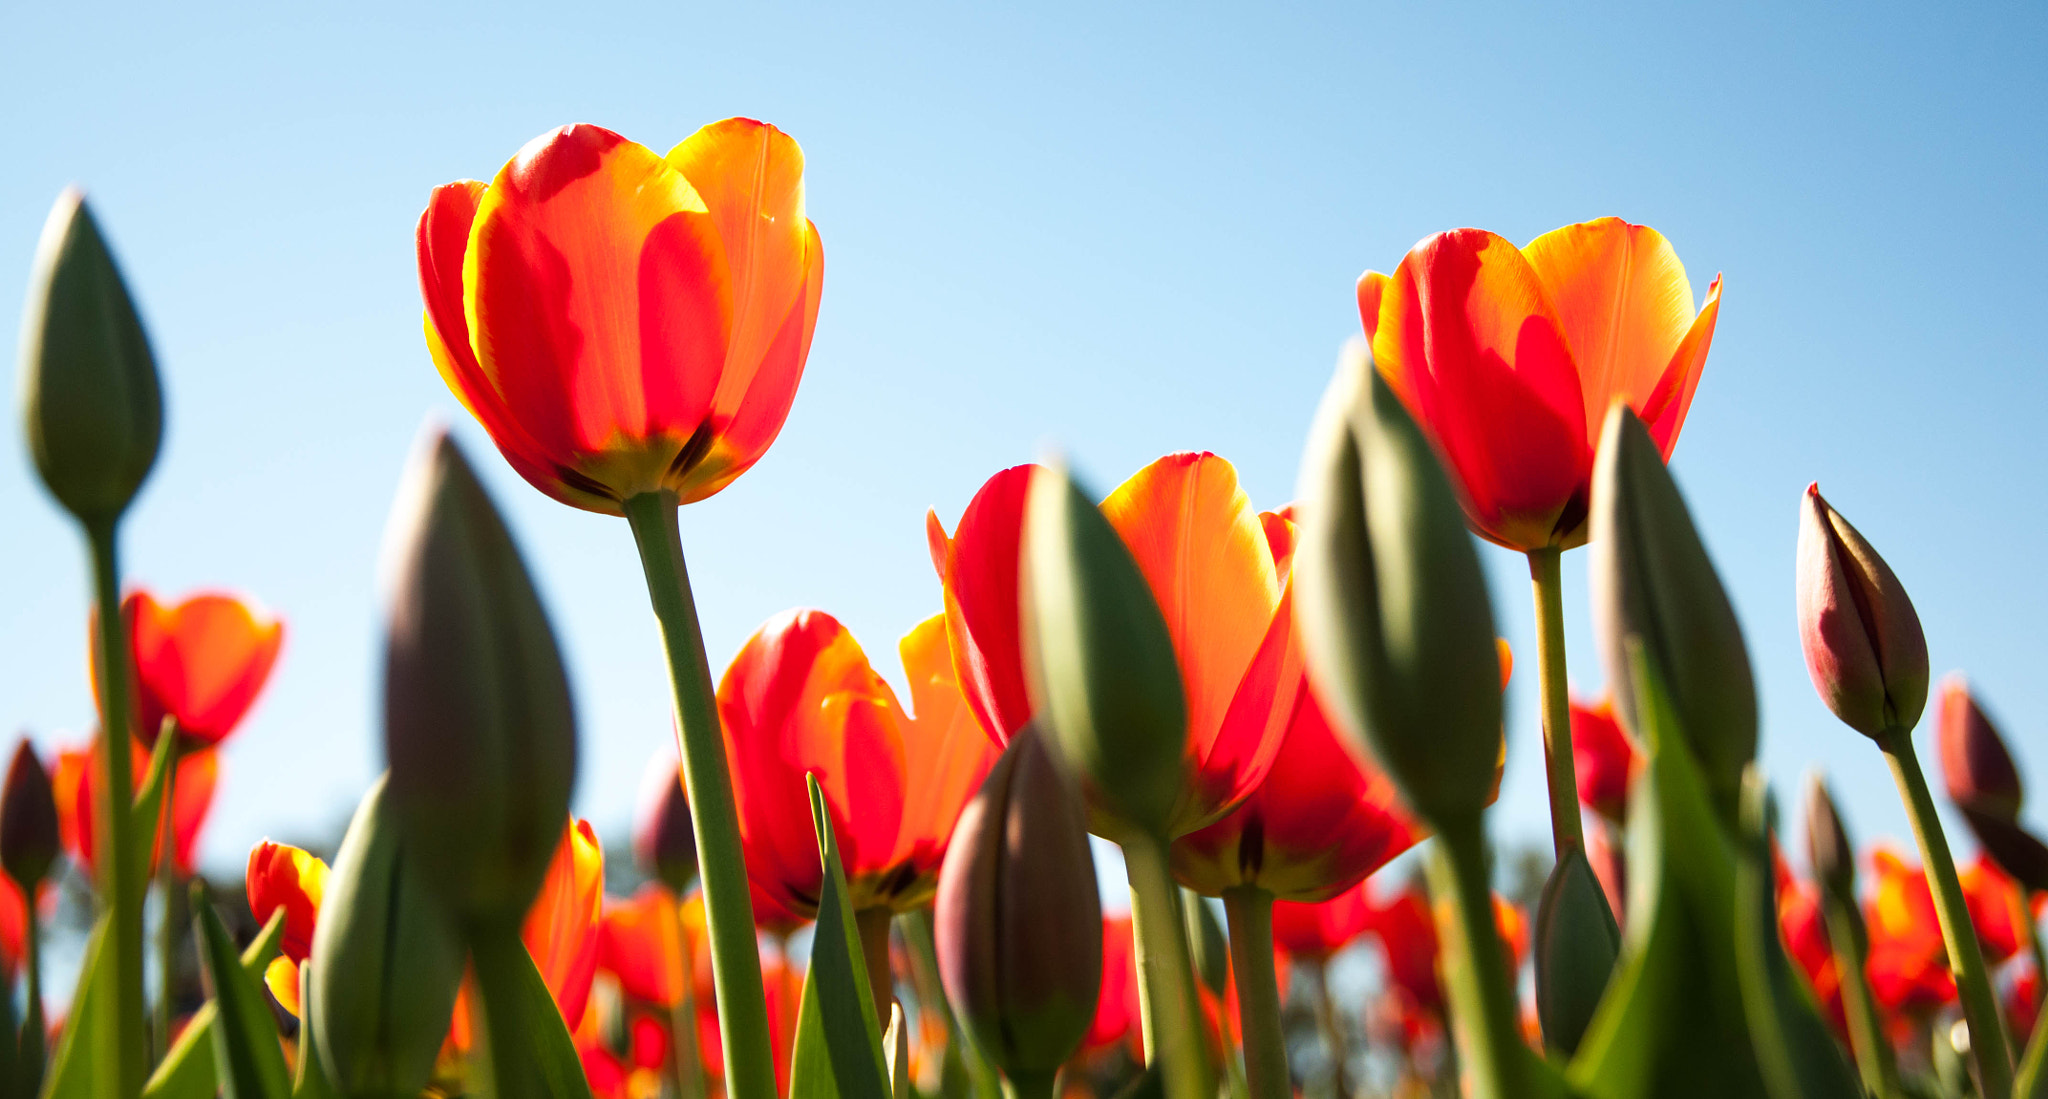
[946, 753]
[201, 661]
[560, 929]
[285, 877]
[982, 602]
[1663, 412]
[1625, 304]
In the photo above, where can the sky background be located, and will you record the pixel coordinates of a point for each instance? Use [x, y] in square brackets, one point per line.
[1118, 233]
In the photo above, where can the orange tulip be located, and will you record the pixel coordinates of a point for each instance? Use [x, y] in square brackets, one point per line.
[1805, 934]
[1205, 553]
[1509, 358]
[620, 322]
[1603, 757]
[1908, 963]
[640, 943]
[801, 699]
[201, 662]
[191, 800]
[287, 878]
[1998, 909]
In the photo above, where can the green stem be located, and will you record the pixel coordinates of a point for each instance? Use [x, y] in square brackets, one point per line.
[167, 884]
[1482, 1001]
[1965, 957]
[1029, 1085]
[1874, 1059]
[1331, 1030]
[721, 866]
[1169, 1010]
[1250, 909]
[687, 1059]
[1565, 827]
[982, 1082]
[126, 1047]
[873, 926]
[33, 1026]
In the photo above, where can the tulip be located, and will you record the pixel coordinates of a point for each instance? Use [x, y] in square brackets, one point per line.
[200, 662]
[1117, 1006]
[1984, 784]
[1828, 849]
[1864, 647]
[561, 927]
[1840, 963]
[1316, 931]
[29, 836]
[1908, 969]
[1604, 758]
[1408, 937]
[1017, 921]
[1805, 934]
[282, 877]
[664, 843]
[191, 801]
[640, 943]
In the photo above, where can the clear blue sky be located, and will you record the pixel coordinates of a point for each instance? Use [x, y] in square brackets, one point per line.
[1121, 233]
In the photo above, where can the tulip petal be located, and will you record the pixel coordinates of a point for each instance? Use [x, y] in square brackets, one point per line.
[983, 626]
[201, 661]
[561, 926]
[946, 753]
[441, 241]
[1664, 410]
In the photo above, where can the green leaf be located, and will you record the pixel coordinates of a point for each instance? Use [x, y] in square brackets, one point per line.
[187, 1071]
[312, 1081]
[838, 1053]
[530, 1052]
[896, 1041]
[244, 1035]
[84, 1068]
[2032, 1082]
[1576, 945]
[147, 816]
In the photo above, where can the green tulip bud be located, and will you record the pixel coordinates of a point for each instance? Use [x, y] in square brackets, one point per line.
[1576, 944]
[1653, 583]
[28, 820]
[1395, 621]
[1208, 943]
[92, 409]
[478, 725]
[386, 962]
[1103, 675]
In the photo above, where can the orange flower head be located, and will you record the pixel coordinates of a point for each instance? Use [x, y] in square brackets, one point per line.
[1908, 964]
[285, 877]
[13, 927]
[72, 780]
[1998, 909]
[622, 322]
[1208, 558]
[561, 929]
[640, 943]
[200, 662]
[1603, 756]
[801, 699]
[1509, 358]
[1805, 935]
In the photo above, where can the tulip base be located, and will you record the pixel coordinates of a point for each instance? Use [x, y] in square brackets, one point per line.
[1559, 769]
[1168, 1009]
[728, 909]
[1965, 956]
[1258, 992]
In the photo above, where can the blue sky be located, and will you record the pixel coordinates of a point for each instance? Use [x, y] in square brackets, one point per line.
[1120, 233]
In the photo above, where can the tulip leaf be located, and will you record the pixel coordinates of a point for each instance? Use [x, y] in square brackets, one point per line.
[244, 1035]
[83, 1068]
[838, 1049]
[2032, 1081]
[528, 1052]
[312, 1081]
[187, 1071]
[147, 816]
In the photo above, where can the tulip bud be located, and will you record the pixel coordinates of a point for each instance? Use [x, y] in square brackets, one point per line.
[1828, 849]
[1975, 765]
[1103, 674]
[386, 960]
[1864, 647]
[1395, 621]
[1208, 944]
[1018, 921]
[1577, 943]
[478, 726]
[1653, 583]
[664, 839]
[29, 834]
[93, 412]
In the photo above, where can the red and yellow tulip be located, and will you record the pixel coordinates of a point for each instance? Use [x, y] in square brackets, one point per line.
[1509, 358]
[71, 781]
[622, 322]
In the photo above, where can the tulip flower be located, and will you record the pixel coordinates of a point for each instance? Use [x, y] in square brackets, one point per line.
[14, 934]
[191, 801]
[29, 826]
[1604, 758]
[1984, 783]
[641, 942]
[294, 880]
[664, 842]
[1863, 642]
[1408, 937]
[1908, 968]
[1316, 931]
[2023, 1002]
[1116, 1006]
[1826, 933]
[1805, 934]
[200, 662]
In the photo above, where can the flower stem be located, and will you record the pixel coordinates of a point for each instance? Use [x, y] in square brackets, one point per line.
[167, 885]
[1565, 828]
[1965, 957]
[728, 911]
[32, 1025]
[125, 1046]
[1476, 972]
[873, 926]
[1170, 1013]
[1250, 909]
[1873, 1049]
[982, 1082]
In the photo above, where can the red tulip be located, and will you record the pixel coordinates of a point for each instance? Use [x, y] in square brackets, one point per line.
[1908, 964]
[13, 927]
[287, 878]
[2023, 1002]
[1998, 909]
[801, 699]
[191, 800]
[1317, 931]
[29, 836]
[1805, 933]
[1509, 358]
[1116, 1009]
[1407, 933]
[640, 943]
[1206, 555]
[201, 662]
[1864, 647]
[1975, 764]
[620, 322]
[1603, 757]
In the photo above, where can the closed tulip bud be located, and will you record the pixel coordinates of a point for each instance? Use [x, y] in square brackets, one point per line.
[478, 726]
[29, 835]
[1395, 621]
[1208, 944]
[1828, 849]
[1577, 942]
[664, 840]
[1653, 583]
[387, 962]
[1975, 765]
[94, 415]
[1101, 664]
[1864, 647]
[1017, 920]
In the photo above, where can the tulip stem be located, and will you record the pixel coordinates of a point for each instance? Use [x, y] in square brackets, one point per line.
[982, 1082]
[1168, 1009]
[1965, 957]
[1545, 572]
[728, 911]
[1250, 909]
[120, 885]
[1873, 1049]
[166, 882]
[32, 1026]
[873, 926]
[1482, 1001]
[1332, 1030]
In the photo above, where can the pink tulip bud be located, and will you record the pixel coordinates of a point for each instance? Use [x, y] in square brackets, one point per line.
[664, 839]
[1975, 765]
[1864, 647]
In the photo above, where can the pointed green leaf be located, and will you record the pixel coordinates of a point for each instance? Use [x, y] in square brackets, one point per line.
[187, 1071]
[245, 1036]
[84, 1068]
[312, 1081]
[838, 1041]
[2032, 1082]
[532, 1055]
[147, 816]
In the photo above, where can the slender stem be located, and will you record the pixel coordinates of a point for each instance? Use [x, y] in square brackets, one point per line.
[1565, 827]
[1029, 1085]
[1873, 1049]
[1481, 999]
[1965, 957]
[873, 926]
[33, 1026]
[114, 840]
[1332, 1031]
[2034, 951]
[167, 885]
[683, 1052]
[1171, 1014]
[982, 1082]
[728, 911]
[1250, 909]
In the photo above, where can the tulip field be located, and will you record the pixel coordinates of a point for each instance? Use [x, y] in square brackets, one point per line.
[1287, 716]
